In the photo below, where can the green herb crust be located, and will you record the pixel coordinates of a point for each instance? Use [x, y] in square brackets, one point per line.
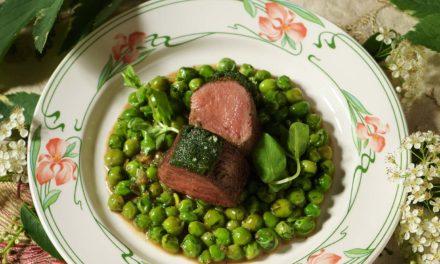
[238, 77]
[197, 151]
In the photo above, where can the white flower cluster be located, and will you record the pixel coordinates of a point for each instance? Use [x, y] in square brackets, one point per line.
[407, 64]
[419, 227]
[13, 131]
[387, 36]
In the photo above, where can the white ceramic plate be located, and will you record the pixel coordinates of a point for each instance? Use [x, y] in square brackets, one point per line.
[85, 95]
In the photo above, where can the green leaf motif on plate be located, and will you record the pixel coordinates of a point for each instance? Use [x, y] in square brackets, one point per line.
[44, 22]
[357, 253]
[418, 8]
[353, 101]
[35, 230]
[69, 151]
[250, 7]
[305, 14]
[426, 32]
[35, 149]
[51, 198]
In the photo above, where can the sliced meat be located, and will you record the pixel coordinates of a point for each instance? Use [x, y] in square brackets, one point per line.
[222, 186]
[226, 108]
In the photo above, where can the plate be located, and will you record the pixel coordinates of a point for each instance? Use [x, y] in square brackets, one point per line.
[85, 95]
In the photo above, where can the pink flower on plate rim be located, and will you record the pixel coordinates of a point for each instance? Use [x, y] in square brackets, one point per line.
[323, 257]
[374, 131]
[127, 48]
[55, 164]
[280, 22]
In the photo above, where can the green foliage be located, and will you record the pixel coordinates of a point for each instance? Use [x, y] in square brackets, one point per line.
[378, 49]
[35, 230]
[23, 99]
[427, 32]
[418, 8]
[44, 23]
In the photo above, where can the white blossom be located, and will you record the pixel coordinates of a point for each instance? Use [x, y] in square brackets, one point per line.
[386, 36]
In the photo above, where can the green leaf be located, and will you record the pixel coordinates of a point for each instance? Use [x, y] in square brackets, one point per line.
[269, 159]
[106, 12]
[44, 23]
[305, 14]
[130, 78]
[291, 43]
[15, 15]
[250, 7]
[35, 148]
[358, 253]
[161, 106]
[69, 150]
[35, 230]
[426, 32]
[355, 103]
[23, 99]
[51, 198]
[418, 8]
[377, 49]
[105, 73]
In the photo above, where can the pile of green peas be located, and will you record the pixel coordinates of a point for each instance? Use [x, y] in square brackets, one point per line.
[180, 224]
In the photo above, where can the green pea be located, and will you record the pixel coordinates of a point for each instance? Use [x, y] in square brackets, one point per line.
[131, 147]
[134, 134]
[247, 70]
[115, 141]
[114, 175]
[253, 205]
[196, 228]
[284, 230]
[296, 214]
[315, 196]
[155, 189]
[191, 246]
[324, 182]
[115, 202]
[132, 167]
[299, 109]
[270, 220]
[142, 221]
[120, 128]
[216, 252]
[284, 83]
[123, 188]
[241, 236]
[155, 233]
[222, 236]
[114, 157]
[133, 100]
[319, 138]
[252, 250]
[264, 116]
[308, 166]
[297, 197]
[206, 71]
[313, 120]
[281, 208]
[173, 225]
[160, 83]
[281, 99]
[166, 198]
[141, 94]
[129, 211]
[294, 95]
[152, 172]
[270, 98]
[305, 184]
[226, 64]
[234, 252]
[304, 225]
[326, 152]
[208, 238]
[195, 84]
[312, 210]
[144, 204]
[178, 88]
[235, 213]
[188, 217]
[131, 113]
[265, 194]
[171, 211]
[327, 166]
[205, 257]
[253, 222]
[186, 74]
[232, 224]
[185, 205]
[267, 239]
[262, 75]
[214, 218]
[170, 243]
[313, 155]
[187, 98]
[157, 215]
[267, 85]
